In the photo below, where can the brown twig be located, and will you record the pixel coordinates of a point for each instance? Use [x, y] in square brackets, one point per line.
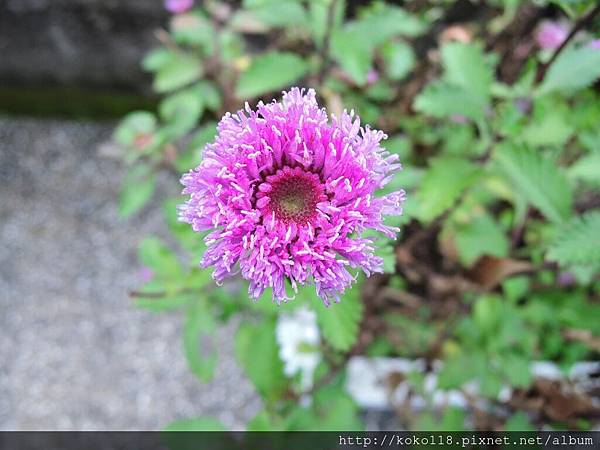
[580, 25]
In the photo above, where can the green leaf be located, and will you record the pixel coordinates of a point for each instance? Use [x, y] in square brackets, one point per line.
[399, 59]
[586, 169]
[578, 241]
[453, 374]
[210, 94]
[278, 13]
[194, 29]
[353, 53]
[518, 422]
[332, 409]
[537, 179]
[517, 370]
[204, 423]
[134, 125]
[179, 72]
[136, 191]
[465, 66]
[382, 21]
[261, 422]
[487, 313]
[318, 12]
[181, 111]
[199, 323]
[443, 183]
[575, 68]
[339, 322]
[552, 129]
[158, 257]
[192, 156]
[480, 236]
[258, 353]
[440, 99]
[465, 88]
[387, 252]
[167, 303]
[270, 71]
[157, 58]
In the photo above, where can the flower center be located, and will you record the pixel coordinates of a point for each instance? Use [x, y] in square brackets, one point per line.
[292, 194]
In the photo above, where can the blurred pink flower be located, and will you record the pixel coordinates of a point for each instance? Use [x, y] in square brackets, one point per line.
[372, 76]
[146, 274]
[566, 279]
[178, 6]
[551, 35]
[459, 119]
[595, 44]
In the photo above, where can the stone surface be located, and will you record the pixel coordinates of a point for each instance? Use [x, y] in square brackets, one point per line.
[84, 43]
[75, 354]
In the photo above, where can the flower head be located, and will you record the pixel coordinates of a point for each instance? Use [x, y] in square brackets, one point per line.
[288, 192]
[551, 35]
[178, 6]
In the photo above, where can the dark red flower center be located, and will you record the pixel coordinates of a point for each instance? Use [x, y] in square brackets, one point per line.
[292, 194]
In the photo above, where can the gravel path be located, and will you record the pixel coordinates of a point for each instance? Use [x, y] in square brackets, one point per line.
[74, 353]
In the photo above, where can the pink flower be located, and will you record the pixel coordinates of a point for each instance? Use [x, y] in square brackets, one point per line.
[595, 44]
[178, 6]
[372, 76]
[146, 274]
[288, 193]
[551, 35]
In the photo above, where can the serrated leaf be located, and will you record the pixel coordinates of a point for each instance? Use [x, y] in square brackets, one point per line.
[136, 191]
[465, 66]
[443, 183]
[340, 322]
[552, 129]
[270, 71]
[586, 169]
[465, 88]
[537, 179]
[257, 351]
[578, 241]
[575, 68]
[204, 423]
[199, 323]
